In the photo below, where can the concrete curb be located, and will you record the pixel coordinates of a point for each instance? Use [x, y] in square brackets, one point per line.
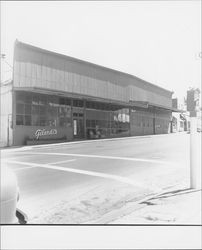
[132, 207]
[24, 148]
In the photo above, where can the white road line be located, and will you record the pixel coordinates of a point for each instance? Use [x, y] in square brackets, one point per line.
[17, 169]
[107, 157]
[57, 162]
[84, 172]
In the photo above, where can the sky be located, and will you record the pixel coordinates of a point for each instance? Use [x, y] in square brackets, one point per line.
[158, 41]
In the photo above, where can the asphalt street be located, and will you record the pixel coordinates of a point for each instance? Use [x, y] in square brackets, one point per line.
[77, 182]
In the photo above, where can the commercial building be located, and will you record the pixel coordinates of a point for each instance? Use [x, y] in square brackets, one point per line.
[180, 122]
[53, 97]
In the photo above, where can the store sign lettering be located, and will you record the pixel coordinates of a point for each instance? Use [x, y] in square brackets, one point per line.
[43, 132]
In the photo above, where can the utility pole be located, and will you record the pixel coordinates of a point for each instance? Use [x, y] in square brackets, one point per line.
[192, 105]
[3, 59]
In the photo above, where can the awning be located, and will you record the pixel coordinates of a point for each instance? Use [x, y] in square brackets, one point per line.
[139, 104]
[131, 103]
[143, 104]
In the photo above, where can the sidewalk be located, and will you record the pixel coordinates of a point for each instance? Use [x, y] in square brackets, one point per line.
[29, 147]
[177, 207]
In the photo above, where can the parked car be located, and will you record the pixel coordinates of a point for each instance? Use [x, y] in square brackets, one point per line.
[10, 214]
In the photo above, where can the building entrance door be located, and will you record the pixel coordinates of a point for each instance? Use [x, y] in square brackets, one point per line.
[154, 126]
[78, 126]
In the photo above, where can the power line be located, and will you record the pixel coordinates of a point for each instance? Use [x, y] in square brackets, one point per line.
[3, 56]
[7, 64]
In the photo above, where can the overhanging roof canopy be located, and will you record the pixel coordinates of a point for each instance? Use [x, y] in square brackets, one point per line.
[142, 104]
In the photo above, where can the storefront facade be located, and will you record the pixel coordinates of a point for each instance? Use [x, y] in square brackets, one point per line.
[59, 98]
[42, 116]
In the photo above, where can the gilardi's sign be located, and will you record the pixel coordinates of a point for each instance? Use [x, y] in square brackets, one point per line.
[44, 132]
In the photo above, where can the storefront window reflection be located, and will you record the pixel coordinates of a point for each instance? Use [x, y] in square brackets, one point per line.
[102, 119]
[42, 110]
[106, 120]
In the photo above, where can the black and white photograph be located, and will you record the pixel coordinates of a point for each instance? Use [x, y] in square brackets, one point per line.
[100, 113]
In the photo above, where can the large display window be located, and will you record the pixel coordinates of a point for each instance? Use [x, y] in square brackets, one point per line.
[33, 109]
[104, 120]
[101, 119]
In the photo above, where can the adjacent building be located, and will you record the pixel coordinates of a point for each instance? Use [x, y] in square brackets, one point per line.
[53, 97]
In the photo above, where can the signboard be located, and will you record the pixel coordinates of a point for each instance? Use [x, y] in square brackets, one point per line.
[43, 132]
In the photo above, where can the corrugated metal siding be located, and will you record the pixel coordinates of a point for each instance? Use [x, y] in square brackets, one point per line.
[36, 69]
[141, 123]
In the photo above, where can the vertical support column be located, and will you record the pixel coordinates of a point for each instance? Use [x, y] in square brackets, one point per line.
[194, 154]
[72, 122]
[8, 131]
[130, 121]
[13, 116]
[154, 123]
[84, 119]
[110, 123]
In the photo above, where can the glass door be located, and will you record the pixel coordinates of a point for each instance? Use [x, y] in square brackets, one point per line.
[78, 125]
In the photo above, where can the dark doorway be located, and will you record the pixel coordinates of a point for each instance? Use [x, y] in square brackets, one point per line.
[154, 125]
